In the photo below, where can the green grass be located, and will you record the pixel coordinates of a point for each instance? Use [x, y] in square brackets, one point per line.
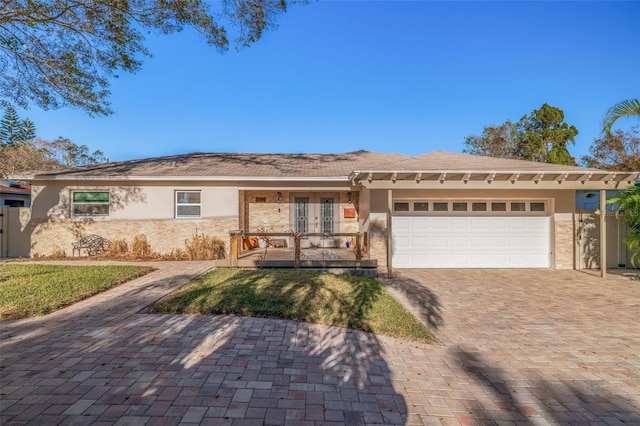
[323, 298]
[31, 290]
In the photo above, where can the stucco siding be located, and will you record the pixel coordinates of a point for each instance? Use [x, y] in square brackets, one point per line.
[147, 201]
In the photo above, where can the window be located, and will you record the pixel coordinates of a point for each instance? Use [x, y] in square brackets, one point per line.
[459, 207]
[498, 207]
[14, 203]
[440, 207]
[518, 207]
[95, 203]
[188, 204]
[479, 207]
[401, 207]
[537, 207]
[421, 207]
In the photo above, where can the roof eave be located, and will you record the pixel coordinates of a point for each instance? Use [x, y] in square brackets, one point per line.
[189, 178]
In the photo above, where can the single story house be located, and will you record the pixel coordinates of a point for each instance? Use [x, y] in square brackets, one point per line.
[15, 194]
[438, 210]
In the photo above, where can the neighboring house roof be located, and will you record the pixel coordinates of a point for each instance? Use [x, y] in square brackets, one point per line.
[14, 188]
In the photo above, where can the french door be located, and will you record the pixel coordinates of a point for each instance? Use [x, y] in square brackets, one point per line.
[314, 213]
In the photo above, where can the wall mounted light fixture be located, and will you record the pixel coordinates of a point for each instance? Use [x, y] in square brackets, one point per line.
[349, 196]
[279, 195]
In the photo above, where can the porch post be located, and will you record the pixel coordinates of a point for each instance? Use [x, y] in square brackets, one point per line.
[389, 236]
[603, 233]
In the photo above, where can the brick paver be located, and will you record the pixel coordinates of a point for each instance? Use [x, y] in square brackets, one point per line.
[515, 346]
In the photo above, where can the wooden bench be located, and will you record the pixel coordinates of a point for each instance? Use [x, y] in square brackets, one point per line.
[94, 244]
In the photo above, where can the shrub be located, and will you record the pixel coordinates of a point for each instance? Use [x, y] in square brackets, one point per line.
[140, 247]
[203, 247]
[117, 247]
[57, 253]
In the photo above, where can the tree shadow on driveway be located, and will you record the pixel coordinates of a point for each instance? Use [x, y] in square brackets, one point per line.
[557, 402]
[103, 361]
[417, 298]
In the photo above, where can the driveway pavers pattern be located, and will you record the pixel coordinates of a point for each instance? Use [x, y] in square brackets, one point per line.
[515, 346]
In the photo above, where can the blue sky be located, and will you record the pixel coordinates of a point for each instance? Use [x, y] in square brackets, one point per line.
[403, 77]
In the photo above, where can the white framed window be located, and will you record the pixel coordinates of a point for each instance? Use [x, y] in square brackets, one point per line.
[188, 204]
[90, 203]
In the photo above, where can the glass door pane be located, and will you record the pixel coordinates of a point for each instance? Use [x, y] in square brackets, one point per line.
[326, 215]
[301, 217]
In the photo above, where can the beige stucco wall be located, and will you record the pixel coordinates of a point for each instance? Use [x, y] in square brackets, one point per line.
[146, 200]
[145, 208]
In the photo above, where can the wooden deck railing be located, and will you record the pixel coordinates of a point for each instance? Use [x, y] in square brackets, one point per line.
[274, 238]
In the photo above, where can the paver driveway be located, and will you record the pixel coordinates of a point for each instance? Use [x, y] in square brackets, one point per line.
[515, 346]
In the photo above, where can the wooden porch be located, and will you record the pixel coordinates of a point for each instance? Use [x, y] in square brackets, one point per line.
[283, 250]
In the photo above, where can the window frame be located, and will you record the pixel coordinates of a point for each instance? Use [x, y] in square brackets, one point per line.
[178, 204]
[75, 203]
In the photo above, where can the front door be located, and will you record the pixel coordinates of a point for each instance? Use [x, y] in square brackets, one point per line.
[315, 213]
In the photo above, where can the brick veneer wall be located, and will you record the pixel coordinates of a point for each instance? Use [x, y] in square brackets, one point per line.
[164, 235]
[564, 241]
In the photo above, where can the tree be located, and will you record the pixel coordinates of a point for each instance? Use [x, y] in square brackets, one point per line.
[618, 151]
[40, 154]
[13, 130]
[56, 53]
[626, 108]
[629, 207]
[496, 141]
[21, 151]
[541, 136]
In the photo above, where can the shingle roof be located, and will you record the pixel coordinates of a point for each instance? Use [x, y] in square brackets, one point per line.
[292, 166]
[233, 165]
[448, 161]
[9, 187]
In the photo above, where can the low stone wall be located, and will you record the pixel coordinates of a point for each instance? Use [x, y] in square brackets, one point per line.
[164, 235]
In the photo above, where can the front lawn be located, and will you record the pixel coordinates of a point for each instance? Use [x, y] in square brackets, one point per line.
[30, 290]
[323, 298]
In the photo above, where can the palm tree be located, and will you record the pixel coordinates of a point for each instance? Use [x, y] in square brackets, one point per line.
[629, 107]
[629, 206]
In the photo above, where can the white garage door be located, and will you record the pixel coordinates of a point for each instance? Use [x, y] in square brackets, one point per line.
[470, 242]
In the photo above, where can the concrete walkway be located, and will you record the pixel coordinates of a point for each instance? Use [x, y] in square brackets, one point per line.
[544, 347]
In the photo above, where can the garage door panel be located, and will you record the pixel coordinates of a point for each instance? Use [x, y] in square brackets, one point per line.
[498, 224]
[480, 241]
[471, 242]
[440, 241]
[480, 224]
[518, 242]
[459, 224]
[457, 242]
[421, 224]
[439, 223]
